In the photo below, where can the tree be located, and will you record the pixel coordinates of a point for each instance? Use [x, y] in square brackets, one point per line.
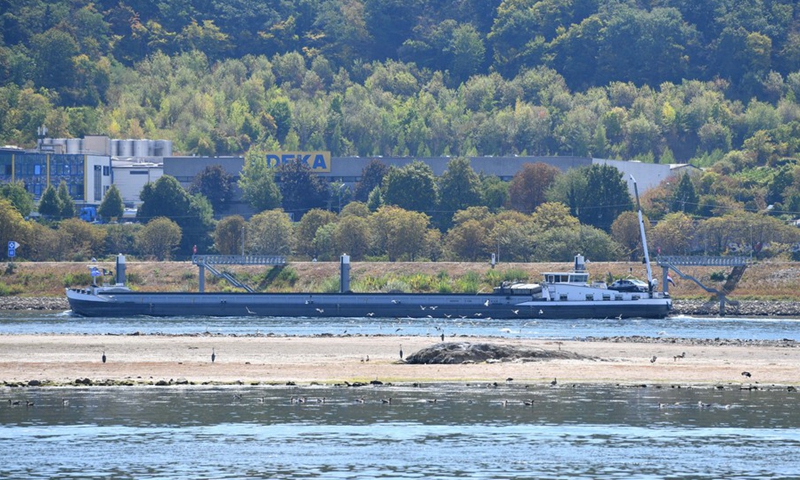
[159, 238]
[375, 200]
[467, 241]
[50, 204]
[269, 233]
[371, 177]
[625, 231]
[306, 230]
[351, 236]
[551, 215]
[111, 206]
[257, 182]
[528, 187]
[166, 198]
[397, 233]
[459, 188]
[563, 243]
[494, 192]
[229, 234]
[81, 239]
[65, 200]
[684, 197]
[673, 234]
[19, 197]
[301, 190]
[411, 187]
[214, 184]
[13, 227]
[596, 194]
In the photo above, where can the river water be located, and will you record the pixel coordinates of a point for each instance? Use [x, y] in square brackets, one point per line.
[428, 431]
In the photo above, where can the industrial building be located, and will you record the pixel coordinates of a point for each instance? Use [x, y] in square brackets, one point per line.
[92, 164]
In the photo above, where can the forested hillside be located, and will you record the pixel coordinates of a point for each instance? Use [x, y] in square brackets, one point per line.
[660, 81]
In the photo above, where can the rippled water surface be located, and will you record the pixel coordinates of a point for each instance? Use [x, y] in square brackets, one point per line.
[681, 326]
[429, 431]
[442, 431]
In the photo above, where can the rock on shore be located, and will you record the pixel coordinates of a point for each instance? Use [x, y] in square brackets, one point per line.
[34, 303]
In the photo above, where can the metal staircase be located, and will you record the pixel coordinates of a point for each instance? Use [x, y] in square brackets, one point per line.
[739, 264]
[207, 262]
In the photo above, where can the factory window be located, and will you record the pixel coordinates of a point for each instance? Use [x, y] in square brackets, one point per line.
[138, 172]
[106, 171]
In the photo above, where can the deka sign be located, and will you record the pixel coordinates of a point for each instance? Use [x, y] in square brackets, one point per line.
[316, 161]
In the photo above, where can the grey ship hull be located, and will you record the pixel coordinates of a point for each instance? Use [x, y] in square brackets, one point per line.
[411, 305]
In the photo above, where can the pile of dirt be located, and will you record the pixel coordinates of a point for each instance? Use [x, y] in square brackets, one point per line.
[466, 352]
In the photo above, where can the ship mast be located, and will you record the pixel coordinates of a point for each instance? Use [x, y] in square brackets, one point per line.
[641, 232]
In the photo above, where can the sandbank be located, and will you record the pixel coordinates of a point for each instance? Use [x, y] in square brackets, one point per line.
[145, 359]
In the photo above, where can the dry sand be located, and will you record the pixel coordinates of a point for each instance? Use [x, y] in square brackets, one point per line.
[62, 359]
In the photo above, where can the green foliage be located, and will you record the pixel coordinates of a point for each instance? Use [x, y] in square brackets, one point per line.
[459, 188]
[65, 201]
[50, 203]
[214, 184]
[19, 197]
[411, 187]
[111, 206]
[301, 191]
[159, 238]
[257, 182]
[228, 235]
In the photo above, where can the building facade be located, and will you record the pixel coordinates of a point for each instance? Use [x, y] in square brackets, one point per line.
[87, 176]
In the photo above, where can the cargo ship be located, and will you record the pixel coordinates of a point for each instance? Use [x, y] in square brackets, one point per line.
[561, 294]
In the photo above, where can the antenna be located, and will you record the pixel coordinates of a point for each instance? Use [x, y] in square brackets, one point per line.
[641, 232]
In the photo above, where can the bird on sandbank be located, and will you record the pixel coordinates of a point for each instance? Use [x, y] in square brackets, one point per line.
[653, 360]
[103, 358]
[554, 382]
[401, 351]
[747, 374]
[213, 355]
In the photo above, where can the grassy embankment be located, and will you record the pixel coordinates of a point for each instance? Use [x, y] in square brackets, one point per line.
[769, 280]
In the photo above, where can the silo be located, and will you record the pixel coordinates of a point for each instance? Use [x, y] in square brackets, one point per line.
[126, 148]
[114, 147]
[59, 144]
[74, 145]
[163, 148]
[140, 148]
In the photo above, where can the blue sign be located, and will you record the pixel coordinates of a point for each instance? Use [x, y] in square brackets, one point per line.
[12, 248]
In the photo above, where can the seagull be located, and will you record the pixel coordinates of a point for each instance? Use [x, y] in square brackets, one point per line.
[103, 358]
[528, 403]
[747, 374]
[653, 360]
[422, 307]
[486, 303]
[541, 312]
[320, 310]
[516, 312]
[433, 307]
[447, 315]
[370, 314]
[395, 301]
[213, 355]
